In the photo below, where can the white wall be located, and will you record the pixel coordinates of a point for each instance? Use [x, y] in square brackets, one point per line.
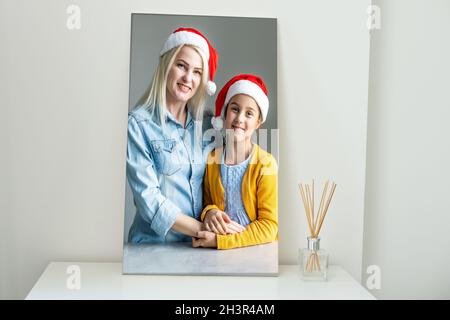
[64, 98]
[407, 220]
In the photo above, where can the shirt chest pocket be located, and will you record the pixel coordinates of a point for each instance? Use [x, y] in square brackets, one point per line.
[165, 156]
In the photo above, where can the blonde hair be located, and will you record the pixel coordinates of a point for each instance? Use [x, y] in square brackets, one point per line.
[154, 98]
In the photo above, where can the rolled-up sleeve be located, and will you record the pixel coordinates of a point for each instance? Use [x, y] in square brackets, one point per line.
[159, 211]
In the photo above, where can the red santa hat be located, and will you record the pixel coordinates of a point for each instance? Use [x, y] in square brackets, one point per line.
[248, 84]
[194, 37]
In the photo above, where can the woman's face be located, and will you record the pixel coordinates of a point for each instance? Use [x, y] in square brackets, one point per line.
[242, 117]
[184, 76]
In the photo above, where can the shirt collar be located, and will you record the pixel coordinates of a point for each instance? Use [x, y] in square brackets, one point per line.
[189, 118]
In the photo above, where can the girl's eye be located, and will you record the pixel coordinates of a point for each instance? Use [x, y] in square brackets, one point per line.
[250, 114]
[180, 65]
[198, 72]
[234, 109]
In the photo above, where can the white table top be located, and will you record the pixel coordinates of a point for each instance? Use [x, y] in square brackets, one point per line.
[181, 258]
[106, 281]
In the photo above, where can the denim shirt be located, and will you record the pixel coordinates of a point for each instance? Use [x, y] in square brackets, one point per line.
[165, 171]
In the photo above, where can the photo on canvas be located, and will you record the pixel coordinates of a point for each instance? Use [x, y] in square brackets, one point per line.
[201, 195]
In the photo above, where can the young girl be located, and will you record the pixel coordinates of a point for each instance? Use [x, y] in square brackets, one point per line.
[240, 182]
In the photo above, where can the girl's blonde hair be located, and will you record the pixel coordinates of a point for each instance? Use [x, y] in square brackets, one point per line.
[154, 98]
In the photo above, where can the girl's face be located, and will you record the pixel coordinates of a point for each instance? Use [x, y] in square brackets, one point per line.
[242, 117]
[185, 75]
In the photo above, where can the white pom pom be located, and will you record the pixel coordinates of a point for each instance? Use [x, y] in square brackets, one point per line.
[217, 123]
[211, 88]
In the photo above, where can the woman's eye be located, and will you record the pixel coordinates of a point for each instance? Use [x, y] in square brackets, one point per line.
[180, 65]
[250, 114]
[198, 72]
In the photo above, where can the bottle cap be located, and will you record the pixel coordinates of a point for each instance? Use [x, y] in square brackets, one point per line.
[313, 244]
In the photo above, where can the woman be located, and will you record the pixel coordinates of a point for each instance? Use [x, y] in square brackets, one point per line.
[165, 162]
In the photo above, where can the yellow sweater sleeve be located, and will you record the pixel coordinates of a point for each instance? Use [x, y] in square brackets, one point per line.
[207, 199]
[265, 228]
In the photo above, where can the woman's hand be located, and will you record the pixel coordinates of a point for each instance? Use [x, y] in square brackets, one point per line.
[219, 222]
[187, 225]
[205, 239]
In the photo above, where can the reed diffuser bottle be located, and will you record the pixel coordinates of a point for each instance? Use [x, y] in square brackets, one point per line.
[314, 260]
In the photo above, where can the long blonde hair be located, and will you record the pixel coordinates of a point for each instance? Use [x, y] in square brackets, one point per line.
[154, 98]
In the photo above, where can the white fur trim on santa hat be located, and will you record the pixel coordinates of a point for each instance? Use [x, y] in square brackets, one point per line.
[186, 37]
[217, 123]
[251, 89]
[211, 88]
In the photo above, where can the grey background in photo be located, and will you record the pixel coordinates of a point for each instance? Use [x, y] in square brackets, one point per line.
[244, 45]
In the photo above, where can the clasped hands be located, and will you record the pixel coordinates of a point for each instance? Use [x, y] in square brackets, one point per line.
[215, 222]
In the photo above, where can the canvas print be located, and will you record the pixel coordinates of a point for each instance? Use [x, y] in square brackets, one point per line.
[202, 146]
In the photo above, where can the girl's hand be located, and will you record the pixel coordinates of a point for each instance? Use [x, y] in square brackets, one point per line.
[205, 239]
[219, 222]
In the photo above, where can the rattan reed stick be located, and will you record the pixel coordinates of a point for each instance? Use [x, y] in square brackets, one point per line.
[315, 220]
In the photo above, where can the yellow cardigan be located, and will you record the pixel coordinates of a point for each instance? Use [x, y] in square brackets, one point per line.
[259, 195]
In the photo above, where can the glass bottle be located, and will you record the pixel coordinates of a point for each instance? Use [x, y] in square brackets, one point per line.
[313, 261]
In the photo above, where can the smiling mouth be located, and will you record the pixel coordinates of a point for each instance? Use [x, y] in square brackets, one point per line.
[184, 87]
[235, 128]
